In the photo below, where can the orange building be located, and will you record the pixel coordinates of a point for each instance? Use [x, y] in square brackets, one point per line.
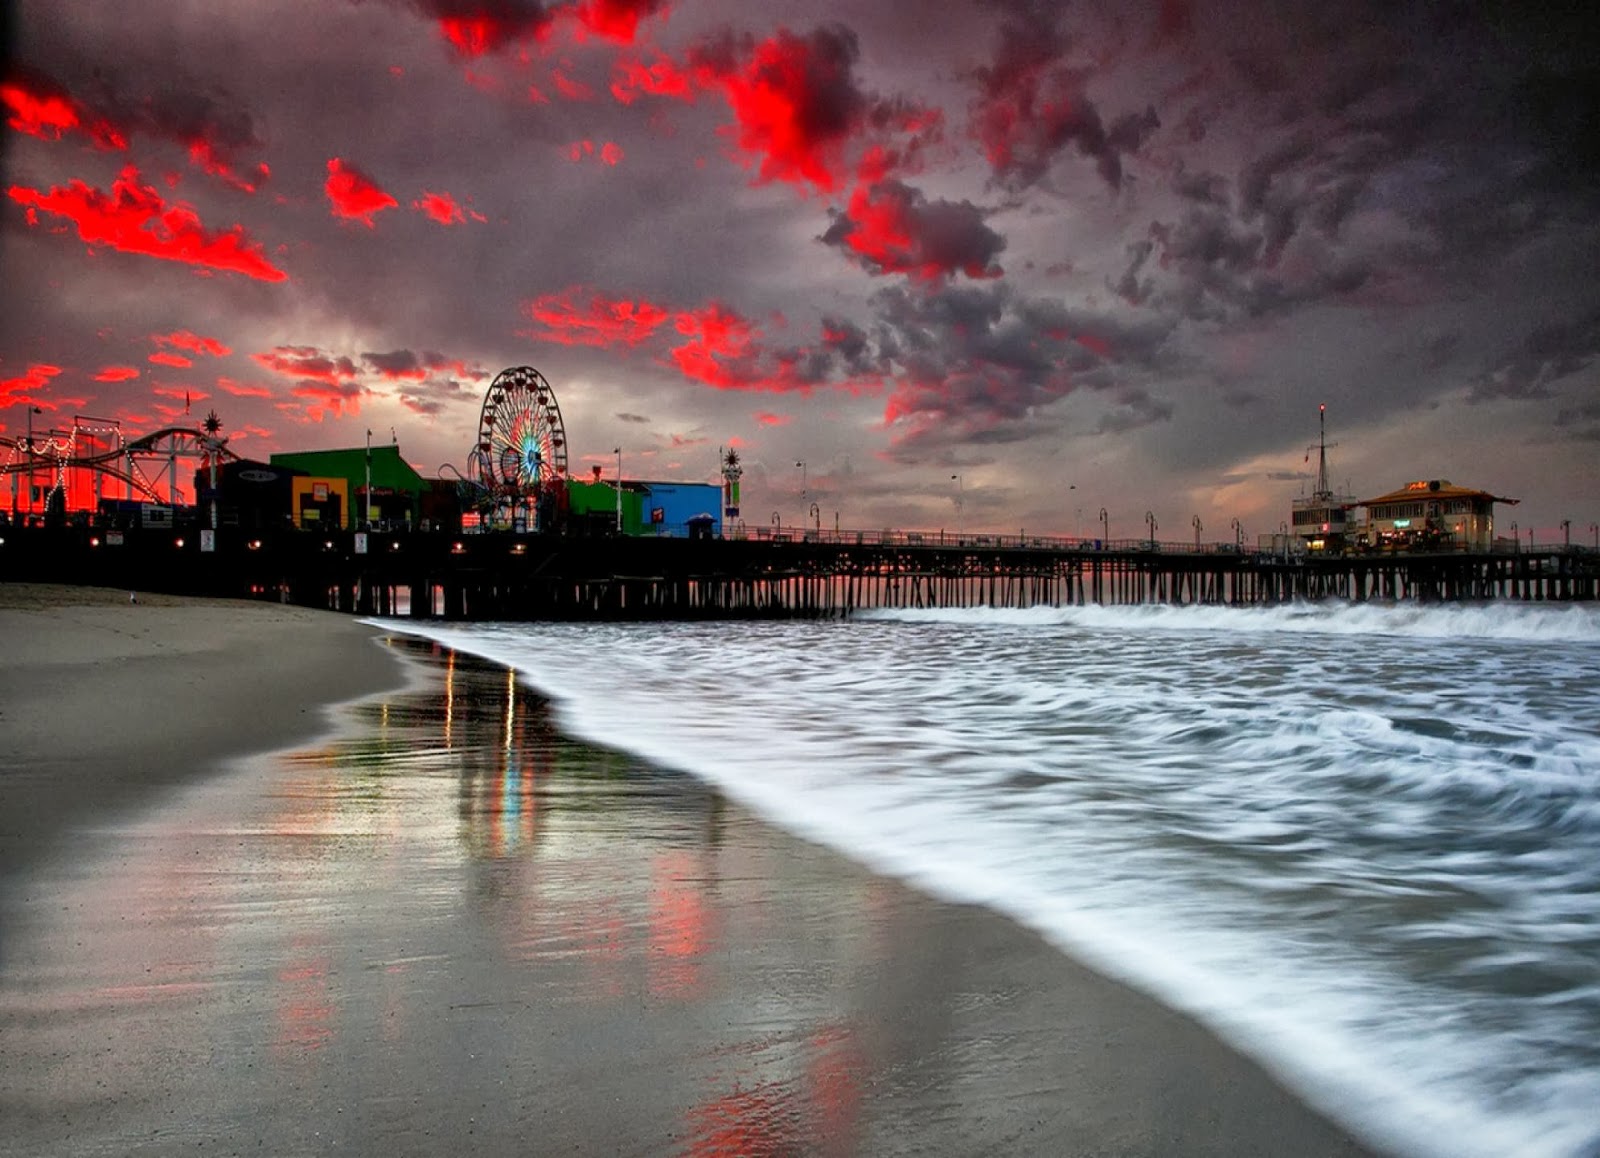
[1432, 513]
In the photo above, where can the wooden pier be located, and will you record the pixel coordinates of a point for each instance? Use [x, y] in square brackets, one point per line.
[505, 576]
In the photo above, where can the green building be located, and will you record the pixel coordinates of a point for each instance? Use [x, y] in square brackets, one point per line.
[596, 502]
[396, 486]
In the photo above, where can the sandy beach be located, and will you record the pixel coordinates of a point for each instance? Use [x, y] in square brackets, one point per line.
[446, 927]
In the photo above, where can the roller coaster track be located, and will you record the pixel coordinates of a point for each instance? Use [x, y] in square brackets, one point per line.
[58, 455]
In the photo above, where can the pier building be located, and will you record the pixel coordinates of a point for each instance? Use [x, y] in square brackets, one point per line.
[1431, 513]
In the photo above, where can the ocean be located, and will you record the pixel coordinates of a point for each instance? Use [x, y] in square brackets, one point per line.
[1359, 842]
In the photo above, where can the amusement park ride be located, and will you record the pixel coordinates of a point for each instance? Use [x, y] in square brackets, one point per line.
[55, 471]
[517, 471]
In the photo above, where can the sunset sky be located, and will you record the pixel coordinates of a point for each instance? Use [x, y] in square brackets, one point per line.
[1081, 256]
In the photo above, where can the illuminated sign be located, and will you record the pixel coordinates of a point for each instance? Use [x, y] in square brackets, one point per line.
[1401, 524]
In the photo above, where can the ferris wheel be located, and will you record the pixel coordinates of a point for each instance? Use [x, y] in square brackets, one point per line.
[522, 444]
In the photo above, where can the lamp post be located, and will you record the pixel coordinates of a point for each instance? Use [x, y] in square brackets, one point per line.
[816, 518]
[618, 452]
[1150, 520]
[366, 502]
[1594, 529]
[1197, 529]
[1516, 538]
[777, 524]
[1566, 534]
[1238, 534]
[960, 507]
[1105, 528]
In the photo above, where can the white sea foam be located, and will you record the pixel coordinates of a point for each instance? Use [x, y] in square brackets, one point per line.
[1359, 843]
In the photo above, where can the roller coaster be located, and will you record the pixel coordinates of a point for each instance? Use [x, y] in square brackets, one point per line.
[91, 461]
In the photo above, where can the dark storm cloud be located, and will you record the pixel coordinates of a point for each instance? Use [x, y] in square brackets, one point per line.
[1033, 103]
[1543, 357]
[891, 227]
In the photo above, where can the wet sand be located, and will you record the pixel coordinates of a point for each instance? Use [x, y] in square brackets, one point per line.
[449, 928]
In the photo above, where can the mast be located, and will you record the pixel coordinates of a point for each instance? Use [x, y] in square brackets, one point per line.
[1323, 492]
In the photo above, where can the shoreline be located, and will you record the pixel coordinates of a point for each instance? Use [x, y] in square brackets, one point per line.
[637, 923]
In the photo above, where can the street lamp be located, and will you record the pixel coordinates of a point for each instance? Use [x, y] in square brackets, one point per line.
[960, 507]
[1238, 534]
[1516, 537]
[1150, 519]
[617, 450]
[816, 518]
[777, 524]
[1197, 529]
[1566, 534]
[1105, 528]
[1594, 529]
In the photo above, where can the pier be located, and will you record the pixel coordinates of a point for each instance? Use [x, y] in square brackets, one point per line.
[768, 575]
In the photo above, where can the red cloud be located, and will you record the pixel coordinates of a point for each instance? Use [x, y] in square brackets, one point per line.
[205, 154]
[572, 90]
[22, 387]
[309, 363]
[611, 153]
[116, 374]
[714, 332]
[44, 110]
[324, 397]
[893, 228]
[441, 207]
[188, 394]
[596, 321]
[494, 25]
[796, 103]
[617, 20]
[134, 218]
[661, 77]
[194, 343]
[177, 361]
[353, 194]
[764, 418]
[242, 390]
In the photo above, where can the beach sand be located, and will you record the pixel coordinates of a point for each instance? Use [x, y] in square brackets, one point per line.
[448, 928]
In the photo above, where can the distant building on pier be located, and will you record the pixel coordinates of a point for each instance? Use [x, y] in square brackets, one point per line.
[1431, 513]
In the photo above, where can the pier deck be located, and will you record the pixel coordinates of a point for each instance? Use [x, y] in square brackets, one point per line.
[506, 576]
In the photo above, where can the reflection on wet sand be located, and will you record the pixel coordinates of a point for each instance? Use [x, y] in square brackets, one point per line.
[454, 928]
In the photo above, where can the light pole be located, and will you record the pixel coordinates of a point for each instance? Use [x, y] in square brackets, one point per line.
[1150, 519]
[816, 518]
[618, 452]
[960, 507]
[1594, 529]
[1238, 534]
[1516, 538]
[1105, 528]
[777, 524]
[366, 503]
[1197, 529]
[1078, 526]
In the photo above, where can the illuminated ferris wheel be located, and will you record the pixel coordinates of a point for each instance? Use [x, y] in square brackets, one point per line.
[522, 444]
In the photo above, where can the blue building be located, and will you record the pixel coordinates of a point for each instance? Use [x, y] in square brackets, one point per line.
[669, 508]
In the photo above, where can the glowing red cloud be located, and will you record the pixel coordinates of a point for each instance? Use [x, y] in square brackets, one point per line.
[20, 389]
[580, 149]
[617, 20]
[893, 228]
[117, 374]
[795, 103]
[441, 207]
[308, 363]
[595, 321]
[662, 77]
[572, 90]
[484, 32]
[204, 155]
[323, 398]
[764, 418]
[353, 194]
[134, 218]
[44, 111]
[611, 153]
[187, 393]
[243, 390]
[194, 343]
[177, 361]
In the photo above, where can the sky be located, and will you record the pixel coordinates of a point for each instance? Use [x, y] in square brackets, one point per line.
[993, 265]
